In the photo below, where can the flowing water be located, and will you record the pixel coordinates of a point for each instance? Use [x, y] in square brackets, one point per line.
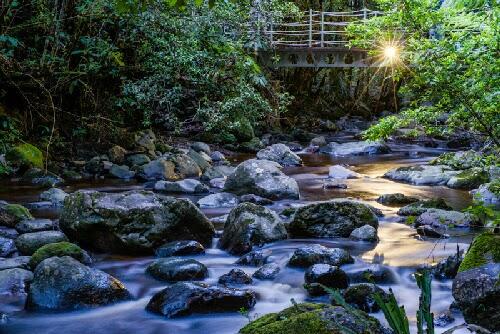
[399, 248]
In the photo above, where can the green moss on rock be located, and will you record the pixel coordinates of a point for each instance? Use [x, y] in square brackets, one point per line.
[60, 249]
[26, 155]
[485, 248]
[469, 179]
[18, 211]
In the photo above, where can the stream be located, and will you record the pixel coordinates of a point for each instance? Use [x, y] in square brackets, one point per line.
[399, 248]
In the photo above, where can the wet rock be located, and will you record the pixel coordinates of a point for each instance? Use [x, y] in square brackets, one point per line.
[336, 218]
[179, 248]
[327, 275]
[281, 154]
[334, 184]
[7, 247]
[187, 186]
[361, 296]
[263, 178]
[175, 269]
[397, 199]
[355, 148]
[215, 172]
[28, 243]
[159, 169]
[59, 249]
[9, 233]
[488, 192]
[121, 172]
[217, 156]
[468, 179]
[309, 255]
[63, 283]
[14, 281]
[185, 298]
[443, 218]
[132, 222]
[422, 175]
[319, 141]
[15, 262]
[116, 154]
[444, 319]
[251, 225]
[375, 274]
[11, 214]
[430, 232]
[138, 159]
[255, 258]
[447, 268]
[200, 147]
[420, 207]
[201, 159]
[235, 276]
[41, 178]
[267, 272]
[485, 248]
[467, 329]
[251, 198]
[36, 225]
[341, 172]
[314, 318]
[218, 200]
[55, 196]
[364, 233]
[477, 292]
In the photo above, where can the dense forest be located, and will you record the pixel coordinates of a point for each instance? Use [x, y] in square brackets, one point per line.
[159, 175]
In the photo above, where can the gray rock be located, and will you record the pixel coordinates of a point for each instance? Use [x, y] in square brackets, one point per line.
[251, 225]
[251, 198]
[444, 218]
[361, 296]
[134, 221]
[184, 298]
[15, 262]
[430, 232]
[183, 247]
[485, 194]
[336, 218]
[267, 272]
[467, 329]
[202, 159]
[200, 147]
[218, 200]
[316, 254]
[235, 276]
[468, 179]
[255, 258]
[41, 178]
[116, 154]
[11, 214]
[448, 268]
[7, 232]
[417, 208]
[327, 275]
[374, 274]
[216, 172]
[159, 169]
[187, 186]
[397, 199]
[175, 269]
[422, 175]
[365, 233]
[185, 166]
[138, 159]
[28, 243]
[7, 247]
[334, 184]
[444, 319]
[145, 141]
[319, 141]
[14, 281]
[55, 196]
[340, 172]
[263, 178]
[477, 293]
[281, 154]
[36, 225]
[355, 148]
[121, 172]
[218, 182]
[217, 156]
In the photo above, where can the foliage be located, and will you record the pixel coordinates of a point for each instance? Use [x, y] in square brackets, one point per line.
[394, 314]
[482, 212]
[449, 61]
[424, 315]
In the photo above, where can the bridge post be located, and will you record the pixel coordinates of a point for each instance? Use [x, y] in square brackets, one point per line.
[310, 27]
[322, 28]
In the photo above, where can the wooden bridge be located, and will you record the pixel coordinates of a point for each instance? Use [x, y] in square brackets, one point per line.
[317, 40]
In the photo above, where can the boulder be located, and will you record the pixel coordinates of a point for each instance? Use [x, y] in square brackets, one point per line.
[41, 178]
[315, 318]
[132, 222]
[422, 175]
[361, 296]
[138, 159]
[459, 160]
[215, 172]
[63, 283]
[324, 274]
[255, 258]
[217, 156]
[444, 218]
[25, 156]
[396, 199]
[185, 166]
[7, 232]
[11, 214]
[355, 148]
[364, 233]
[251, 225]
[200, 147]
[218, 200]
[121, 172]
[202, 159]
[235, 276]
[477, 292]
[468, 179]
[55, 196]
[181, 299]
[485, 248]
[447, 268]
[159, 169]
[376, 273]
[488, 193]
[179, 248]
[15, 262]
[318, 141]
[218, 182]
[336, 218]
[417, 208]
[14, 281]
[28, 243]
[187, 186]
[316, 254]
[430, 232]
[340, 172]
[467, 329]
[7, 247]
[263, 178]
[175, 269]
[36, 225]
[116, 154]
[281, 154]
[251, 198]
[267, 272]
[59, 249]
[145, 141]
[444, 319]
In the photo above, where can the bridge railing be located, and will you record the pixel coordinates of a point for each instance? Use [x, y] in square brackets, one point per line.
[315, 29]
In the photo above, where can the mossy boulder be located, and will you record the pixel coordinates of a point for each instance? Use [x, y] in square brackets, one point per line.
[485, 248]
[63, 248]
[25, 156]
[417, 208]
[12, 214]
[309, 318]
[459, 160]
[468, 179]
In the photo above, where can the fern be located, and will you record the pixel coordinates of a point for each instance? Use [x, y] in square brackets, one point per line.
[424, 314]
[394, 314]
